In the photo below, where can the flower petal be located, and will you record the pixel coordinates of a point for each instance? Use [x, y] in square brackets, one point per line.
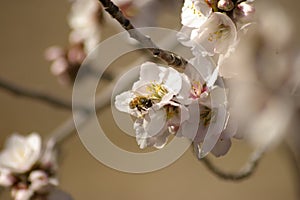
[122, 101]
[215, 129]
[194, 13]
[221, 148]
[189, 127]
[150, 72]
[216, 35]
[21, 153]
[172, 80]
[156, 122]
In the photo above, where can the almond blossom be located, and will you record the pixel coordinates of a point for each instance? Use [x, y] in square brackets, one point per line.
[215, 31]
[212, 27]
[152, 102]
[216, 127]
[85, 22]
[24, 169]
[165, 102]
[20, 152]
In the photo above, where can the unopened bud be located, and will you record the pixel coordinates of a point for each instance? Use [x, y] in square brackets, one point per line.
[244, 11]
[226, 5]
[6, 178]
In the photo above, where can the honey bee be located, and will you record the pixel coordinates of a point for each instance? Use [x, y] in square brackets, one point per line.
[141, 103]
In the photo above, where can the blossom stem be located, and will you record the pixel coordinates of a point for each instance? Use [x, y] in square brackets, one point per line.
[34, 94]
[170, 58]
[244, 173]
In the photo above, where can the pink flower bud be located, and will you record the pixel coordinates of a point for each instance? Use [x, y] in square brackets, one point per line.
[244, 12]
[226, 5]
[40, 182]
[6, 178]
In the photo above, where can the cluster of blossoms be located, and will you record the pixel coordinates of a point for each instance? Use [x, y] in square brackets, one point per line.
[165, 101]
[188, 104]
[85, 22]
[214, 25]
[24, 169]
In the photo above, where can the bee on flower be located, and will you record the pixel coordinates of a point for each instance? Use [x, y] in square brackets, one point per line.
[164, 101]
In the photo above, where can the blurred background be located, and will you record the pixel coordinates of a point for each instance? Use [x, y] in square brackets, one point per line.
[27, 28]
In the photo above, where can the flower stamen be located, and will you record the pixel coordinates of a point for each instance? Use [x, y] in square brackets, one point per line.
[221, 32]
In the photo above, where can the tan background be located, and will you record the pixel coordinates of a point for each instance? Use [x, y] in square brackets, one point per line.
[26, 29]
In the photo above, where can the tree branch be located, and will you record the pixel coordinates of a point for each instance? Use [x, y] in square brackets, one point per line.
[244, 173]
[33, 94]
[170, 58]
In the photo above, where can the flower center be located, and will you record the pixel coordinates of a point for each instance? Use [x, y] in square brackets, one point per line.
[157, 91]
[198, 89]
[221, 32]
[171, 111]
[206, 115]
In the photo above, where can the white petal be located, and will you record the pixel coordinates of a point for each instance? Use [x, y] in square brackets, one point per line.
[143, 139]
[161, 140]
[184, 36]
[141, 134]
[201, 68]
[189, 127]
[194, 13]
[35, 142]
[185, 91]
[21, 153]
[150, 72]
[230, 130]
[221, 148]
[215, 129]
[218, 96]
[157, 122]
[172, 80]
[122, 101]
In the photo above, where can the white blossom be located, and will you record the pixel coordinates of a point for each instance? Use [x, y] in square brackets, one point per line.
[176, 100]
[20, 152]
[84, 21]
[151, 101]
[217, 35]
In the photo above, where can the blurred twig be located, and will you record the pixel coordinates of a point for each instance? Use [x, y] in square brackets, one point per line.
[34, 94]
[244, 173]
[170, 58]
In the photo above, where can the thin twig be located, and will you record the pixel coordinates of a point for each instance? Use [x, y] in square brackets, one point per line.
[170, 58]
[244, 173]
[34, 94]
[103, 99]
